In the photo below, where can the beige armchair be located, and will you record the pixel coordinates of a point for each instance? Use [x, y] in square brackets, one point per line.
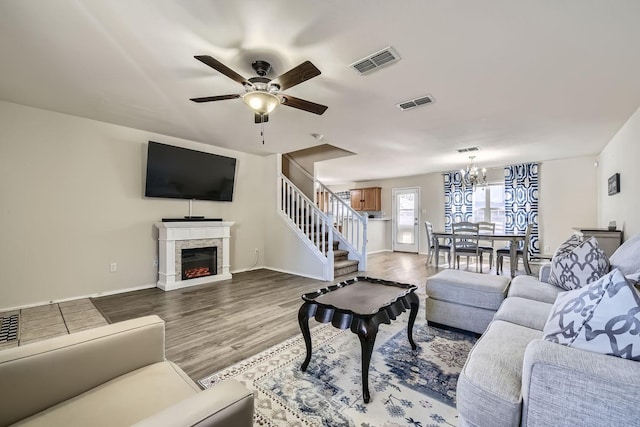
[114, 375]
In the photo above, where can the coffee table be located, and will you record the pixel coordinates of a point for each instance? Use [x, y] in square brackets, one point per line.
[361, 304]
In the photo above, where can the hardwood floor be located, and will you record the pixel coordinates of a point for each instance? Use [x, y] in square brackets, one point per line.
[210, 327]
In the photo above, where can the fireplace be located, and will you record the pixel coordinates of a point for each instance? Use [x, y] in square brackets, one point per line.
[199, 262]
[174, 237]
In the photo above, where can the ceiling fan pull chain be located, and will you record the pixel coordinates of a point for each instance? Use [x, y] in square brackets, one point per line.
[262, 128]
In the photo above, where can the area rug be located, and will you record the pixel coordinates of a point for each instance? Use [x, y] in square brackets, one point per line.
[408, 388]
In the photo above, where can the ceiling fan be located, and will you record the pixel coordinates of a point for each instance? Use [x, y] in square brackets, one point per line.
[262, 94]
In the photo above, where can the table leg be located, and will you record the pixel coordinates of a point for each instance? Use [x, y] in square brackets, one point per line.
[303, 320]
[367, 337]
[415, 305]
[513, 258]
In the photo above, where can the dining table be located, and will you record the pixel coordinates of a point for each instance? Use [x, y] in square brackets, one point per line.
[514, 238]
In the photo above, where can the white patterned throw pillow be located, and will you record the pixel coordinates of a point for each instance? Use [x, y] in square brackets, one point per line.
[602, 317]
[577, 263]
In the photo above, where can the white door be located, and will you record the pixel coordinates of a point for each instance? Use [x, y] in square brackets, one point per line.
[406, 206]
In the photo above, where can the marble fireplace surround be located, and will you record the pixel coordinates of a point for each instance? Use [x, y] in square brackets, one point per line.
[175, 236]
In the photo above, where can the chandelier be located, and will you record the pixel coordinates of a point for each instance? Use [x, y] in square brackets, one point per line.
[472, 176]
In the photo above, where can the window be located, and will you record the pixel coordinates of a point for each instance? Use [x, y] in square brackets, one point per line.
[488, 205]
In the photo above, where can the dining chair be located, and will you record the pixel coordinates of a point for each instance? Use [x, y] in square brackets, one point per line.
[431, 239]
[465, 236]
[523, 252]
[486, 228]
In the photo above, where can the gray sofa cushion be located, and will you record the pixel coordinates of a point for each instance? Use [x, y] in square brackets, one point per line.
[602, 317]
[489, 386]
[531, 288]
[466, 288]
[627, 257]
[565, 387]
[524, 312]
[577, 263]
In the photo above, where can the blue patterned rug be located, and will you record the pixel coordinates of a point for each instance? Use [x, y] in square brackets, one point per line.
[408, 388]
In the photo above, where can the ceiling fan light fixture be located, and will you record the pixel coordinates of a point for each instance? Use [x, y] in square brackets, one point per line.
[274, 88]
[261, 102]
[263, 94]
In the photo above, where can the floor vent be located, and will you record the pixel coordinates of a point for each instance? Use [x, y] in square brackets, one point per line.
[9, 328]
[373, 62]
[468, 149]
[413, 103]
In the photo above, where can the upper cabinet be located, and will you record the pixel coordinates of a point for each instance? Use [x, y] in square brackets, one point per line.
[366, 199]
[322, 201]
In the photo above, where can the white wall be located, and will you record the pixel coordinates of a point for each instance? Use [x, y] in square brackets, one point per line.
[568, 198]
[72, 202]
[621, 156]
[378, 236]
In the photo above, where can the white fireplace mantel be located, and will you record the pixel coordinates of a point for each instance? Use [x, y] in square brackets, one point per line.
[172, 232]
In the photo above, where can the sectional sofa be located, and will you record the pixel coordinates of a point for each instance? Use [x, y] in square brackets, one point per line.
[514, 377]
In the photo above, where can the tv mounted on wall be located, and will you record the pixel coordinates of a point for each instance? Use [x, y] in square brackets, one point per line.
[180, 173]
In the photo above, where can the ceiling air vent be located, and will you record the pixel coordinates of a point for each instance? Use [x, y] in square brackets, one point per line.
[376, 60]
[468, 149]
[413, 103]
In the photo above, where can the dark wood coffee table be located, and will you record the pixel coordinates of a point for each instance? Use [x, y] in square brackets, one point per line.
[361, 304]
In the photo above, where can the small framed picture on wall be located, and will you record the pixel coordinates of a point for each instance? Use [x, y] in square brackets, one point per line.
[614, 184]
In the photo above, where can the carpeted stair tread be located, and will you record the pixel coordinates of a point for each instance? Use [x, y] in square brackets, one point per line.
[339, 254]
[345, 263]
[340, 268]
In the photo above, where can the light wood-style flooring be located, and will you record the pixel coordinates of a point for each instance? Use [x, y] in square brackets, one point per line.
[52, 320]
[210, 327]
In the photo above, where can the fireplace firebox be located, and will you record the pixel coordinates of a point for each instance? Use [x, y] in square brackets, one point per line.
[199, 262]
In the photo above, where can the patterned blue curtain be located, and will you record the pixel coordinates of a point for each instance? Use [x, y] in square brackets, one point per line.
[521, 201]
[458, 200]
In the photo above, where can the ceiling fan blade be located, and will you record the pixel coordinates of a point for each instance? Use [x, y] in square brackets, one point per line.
[219, 66]
[301, 104]
[297, 75]
[215, 98]
[264, 118]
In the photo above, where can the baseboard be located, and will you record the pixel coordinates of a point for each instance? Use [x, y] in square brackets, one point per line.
[295, 273]
[95, 295]
[120, 291]
[380, 251]
[244, 270]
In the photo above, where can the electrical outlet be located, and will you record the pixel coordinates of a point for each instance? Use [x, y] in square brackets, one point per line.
[155, 262]
[113, 267]
[547, 248]
[255, 251]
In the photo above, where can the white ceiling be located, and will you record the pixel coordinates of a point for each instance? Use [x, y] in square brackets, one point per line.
[524, 80]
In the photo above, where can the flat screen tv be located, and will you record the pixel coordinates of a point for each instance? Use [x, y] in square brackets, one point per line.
[180, 173]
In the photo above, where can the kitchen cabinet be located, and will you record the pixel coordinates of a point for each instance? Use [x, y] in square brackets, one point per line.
[366, 199]
[322, 200]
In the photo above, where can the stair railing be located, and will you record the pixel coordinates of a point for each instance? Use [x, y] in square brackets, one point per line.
[311, 224]
[349, 226]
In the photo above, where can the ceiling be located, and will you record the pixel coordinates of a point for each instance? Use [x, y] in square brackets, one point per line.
[525, 81]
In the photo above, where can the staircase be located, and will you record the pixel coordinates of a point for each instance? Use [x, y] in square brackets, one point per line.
[342, 265]
[336, 234]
